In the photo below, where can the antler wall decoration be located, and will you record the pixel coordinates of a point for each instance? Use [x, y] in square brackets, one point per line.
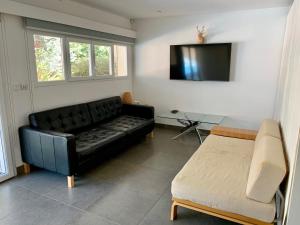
[201, 34]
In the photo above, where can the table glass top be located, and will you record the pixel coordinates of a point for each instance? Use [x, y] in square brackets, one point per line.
[194, 117]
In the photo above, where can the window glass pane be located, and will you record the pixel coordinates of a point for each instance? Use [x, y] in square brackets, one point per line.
[120, 60]
[48, 57]
[80, 59]
[103, 60]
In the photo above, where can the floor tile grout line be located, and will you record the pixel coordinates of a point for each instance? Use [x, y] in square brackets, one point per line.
[160, 197]
[79, 209]
[46, 196]
[96, 179]
[167, 173]
[151, 168]
[84, 211]
[138, 166]
[66, 204]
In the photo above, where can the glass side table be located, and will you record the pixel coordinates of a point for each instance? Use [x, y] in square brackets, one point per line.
[192, 121]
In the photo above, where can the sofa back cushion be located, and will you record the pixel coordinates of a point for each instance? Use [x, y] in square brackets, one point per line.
[268, 127]
[267, 169]
[105, 109]
[66, 119]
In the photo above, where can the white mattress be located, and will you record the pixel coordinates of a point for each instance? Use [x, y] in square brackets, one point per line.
[216, 176]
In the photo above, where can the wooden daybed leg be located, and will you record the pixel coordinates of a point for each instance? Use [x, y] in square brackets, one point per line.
[26, 167]
[71, 182]
[173, 211]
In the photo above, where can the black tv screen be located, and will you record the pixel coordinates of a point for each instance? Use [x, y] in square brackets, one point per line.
[200, 62]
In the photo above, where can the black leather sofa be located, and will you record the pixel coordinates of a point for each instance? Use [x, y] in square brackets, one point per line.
[65, 139]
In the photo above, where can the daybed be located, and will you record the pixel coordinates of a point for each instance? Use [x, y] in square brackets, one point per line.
[233, 175]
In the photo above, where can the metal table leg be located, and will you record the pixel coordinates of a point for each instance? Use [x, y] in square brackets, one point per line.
[199, 135]
[188, 130]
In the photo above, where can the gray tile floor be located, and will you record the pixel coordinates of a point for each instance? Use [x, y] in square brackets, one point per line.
[131, 189]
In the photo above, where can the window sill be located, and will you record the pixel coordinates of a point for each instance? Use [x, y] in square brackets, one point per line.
[75, 81]
[122, 77]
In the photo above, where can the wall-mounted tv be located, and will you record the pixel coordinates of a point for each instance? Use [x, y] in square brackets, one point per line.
[200, 62]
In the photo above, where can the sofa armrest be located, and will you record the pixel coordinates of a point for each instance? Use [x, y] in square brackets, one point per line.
[143, 111]
[47, 149]
[234, 132]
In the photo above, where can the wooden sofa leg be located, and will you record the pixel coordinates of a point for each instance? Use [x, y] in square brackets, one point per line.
[151, 135]
[26, 167]
[71, 182]
[173, 211]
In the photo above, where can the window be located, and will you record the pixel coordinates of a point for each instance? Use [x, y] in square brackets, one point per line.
[120, 60]
[103, 60]
[80, 60]
[48, 58]
[62, 58]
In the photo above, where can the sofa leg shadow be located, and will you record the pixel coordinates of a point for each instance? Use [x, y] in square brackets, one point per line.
[173, 211]
[71, 182]
[26, 168]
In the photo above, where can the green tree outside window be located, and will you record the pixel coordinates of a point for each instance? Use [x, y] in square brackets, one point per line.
[49, 58]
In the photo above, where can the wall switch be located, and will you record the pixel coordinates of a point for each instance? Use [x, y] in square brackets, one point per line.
[20, 87]
[24, 87]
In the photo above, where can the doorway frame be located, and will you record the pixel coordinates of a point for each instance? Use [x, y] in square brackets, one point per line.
[7, 150]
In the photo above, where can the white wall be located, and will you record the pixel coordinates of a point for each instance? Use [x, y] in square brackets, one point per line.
[288, 110]
[294, 200]
[288, 107]
[23, 102]
[83, 11]
[31, 11]
[257, 37]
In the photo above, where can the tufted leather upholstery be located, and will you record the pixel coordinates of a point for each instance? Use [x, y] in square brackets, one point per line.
[105, 109]
[143, 111]
[126, 123]
[89, 141]
[51, 150]
[65, 119]
[65, 139]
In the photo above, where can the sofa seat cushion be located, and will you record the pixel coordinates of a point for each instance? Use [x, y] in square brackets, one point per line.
[127, 124]
[216, 176]
[89, 141]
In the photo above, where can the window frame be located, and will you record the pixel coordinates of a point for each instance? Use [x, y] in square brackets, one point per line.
[127, 57]
[68, 79]
[111, 45]
[69, 73]
[32, 58]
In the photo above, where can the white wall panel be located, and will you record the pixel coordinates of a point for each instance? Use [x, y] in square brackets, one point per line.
[257, 37]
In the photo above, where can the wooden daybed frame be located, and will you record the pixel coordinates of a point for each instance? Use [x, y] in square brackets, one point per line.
[213, 212]
[227, 132]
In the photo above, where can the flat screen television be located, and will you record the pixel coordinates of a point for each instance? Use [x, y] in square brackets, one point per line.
[200, 62]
